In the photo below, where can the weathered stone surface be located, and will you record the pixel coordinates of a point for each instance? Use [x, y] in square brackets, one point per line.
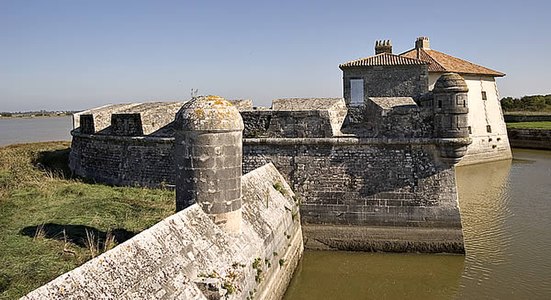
[208, 154]
[172, 258]
[209, 113]
[388, 81]
[396, 117]
[530, 138]
[366, 183]
[131, 119]
[388, 174]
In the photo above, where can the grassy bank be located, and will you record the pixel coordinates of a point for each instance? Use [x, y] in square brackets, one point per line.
[51, 223]
[529, 125]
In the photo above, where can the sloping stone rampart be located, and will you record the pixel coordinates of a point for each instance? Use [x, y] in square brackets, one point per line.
[187, 256]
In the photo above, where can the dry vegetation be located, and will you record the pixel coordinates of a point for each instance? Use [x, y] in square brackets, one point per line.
[51, 223]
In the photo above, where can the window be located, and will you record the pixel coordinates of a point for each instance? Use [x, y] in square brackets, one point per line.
[356, 91]
[488, 128]
[470, 130]
[484, 96]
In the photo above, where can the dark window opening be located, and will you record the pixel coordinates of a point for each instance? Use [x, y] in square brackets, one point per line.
[470, 130]
[439, 103]
[484, 95]
[488, 128]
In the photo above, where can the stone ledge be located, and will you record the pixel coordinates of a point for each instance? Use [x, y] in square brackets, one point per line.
[384, 239]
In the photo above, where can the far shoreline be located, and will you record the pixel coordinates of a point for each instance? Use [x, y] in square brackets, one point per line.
[36, 116]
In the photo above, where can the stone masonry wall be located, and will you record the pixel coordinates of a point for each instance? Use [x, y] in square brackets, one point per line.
[389, 81]
[530, 138]
[367, 183]
[123, 160]
[187, 256]
[394, 121]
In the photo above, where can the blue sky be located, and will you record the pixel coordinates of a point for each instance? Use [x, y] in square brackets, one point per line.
[81, 54]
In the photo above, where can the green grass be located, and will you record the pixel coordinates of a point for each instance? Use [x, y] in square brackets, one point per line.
[529, 125]
[51, 223]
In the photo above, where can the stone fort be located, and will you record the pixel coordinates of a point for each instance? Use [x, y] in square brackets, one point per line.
[372, 171]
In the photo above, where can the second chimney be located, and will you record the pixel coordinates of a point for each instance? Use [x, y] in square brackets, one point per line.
[384, 46]
[422, 42]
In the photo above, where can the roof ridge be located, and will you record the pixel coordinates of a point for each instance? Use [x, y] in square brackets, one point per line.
[433, 58]
[383, 59]
[442, 62]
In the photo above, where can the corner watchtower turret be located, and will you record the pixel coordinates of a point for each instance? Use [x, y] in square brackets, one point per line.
[450, 106]
[450, 116]
[208, 157]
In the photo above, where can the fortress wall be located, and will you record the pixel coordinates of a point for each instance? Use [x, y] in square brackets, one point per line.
[123, 160]
[97, 119]
[153, 116]
[314, 123]
[400, 119]
[256, 122]
[187, 256]
[361, 185]
[284, 121]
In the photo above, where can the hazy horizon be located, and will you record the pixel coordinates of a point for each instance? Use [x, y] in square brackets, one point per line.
[67, 55]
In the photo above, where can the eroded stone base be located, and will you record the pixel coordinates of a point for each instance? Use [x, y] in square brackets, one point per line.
[383, 239]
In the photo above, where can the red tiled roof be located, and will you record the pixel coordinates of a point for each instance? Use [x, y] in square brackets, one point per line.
[383, 59]
[441, 62]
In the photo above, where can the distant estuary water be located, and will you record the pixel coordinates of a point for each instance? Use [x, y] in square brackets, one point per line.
[506, 210]
[39, 129]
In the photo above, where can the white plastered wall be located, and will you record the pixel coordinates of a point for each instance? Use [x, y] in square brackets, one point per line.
[486, 146]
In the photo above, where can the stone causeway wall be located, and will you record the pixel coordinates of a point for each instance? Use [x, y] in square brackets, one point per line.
[187, 256]
[530, 138]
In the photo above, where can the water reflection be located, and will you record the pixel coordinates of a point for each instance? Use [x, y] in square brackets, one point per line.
[506, 209]
[354, 275]
[483, 200]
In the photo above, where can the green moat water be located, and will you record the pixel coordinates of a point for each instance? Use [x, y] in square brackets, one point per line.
[506, 210]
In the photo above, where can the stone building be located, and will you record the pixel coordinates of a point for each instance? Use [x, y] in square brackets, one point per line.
[414, 72]
[383, 75]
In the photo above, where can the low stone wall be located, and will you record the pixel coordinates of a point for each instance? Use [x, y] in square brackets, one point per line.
[530, 138]
[527, 118]
[187, 256]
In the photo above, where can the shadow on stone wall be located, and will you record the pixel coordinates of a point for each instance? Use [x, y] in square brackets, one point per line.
[76, 234]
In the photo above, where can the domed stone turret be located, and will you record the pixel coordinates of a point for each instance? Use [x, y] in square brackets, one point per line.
[451, 82]
[209, 113]
[208, 156]
[450, 106]
[450, 116]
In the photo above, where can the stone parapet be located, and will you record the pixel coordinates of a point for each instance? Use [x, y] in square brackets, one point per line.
[187, 256]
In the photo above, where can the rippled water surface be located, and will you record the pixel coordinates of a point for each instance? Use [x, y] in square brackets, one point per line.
[506, 210]
[42, 129]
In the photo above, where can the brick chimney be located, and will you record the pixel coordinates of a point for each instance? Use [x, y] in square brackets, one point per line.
[384, 46]
[422, 42]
